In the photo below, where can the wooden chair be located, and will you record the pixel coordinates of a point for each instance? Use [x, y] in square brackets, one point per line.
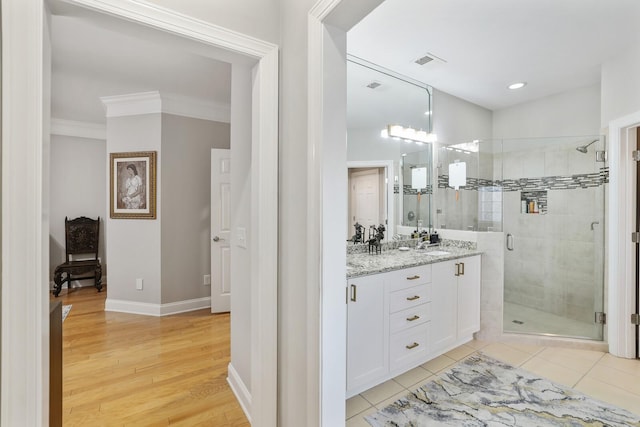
[81, 246]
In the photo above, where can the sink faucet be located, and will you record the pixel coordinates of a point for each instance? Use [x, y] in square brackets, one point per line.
[421, 244]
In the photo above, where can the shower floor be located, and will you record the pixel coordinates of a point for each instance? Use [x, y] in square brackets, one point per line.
[522, 319]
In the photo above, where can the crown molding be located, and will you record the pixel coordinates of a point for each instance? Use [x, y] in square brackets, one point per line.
[132, 104]
[152, 102]
[75, 128]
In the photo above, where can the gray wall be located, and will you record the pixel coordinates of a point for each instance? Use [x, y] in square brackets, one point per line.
[134, 245]
[186, 176]
[77, 188]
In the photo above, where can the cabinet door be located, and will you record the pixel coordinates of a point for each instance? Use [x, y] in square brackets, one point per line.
[367, 331]
[444, 304]
[469, 297]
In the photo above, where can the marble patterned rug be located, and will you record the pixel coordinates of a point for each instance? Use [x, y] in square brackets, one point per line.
[65, 311]
[482, 391]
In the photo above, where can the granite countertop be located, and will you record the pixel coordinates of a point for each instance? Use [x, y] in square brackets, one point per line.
[363, 264]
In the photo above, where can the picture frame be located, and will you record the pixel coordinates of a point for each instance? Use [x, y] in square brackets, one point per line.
[133, 185]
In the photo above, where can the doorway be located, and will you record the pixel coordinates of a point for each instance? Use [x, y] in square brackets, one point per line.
[25, 137]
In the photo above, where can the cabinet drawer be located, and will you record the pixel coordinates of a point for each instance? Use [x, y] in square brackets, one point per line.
[407, 277]
[410, 297]
[410, 317]
[409, 346]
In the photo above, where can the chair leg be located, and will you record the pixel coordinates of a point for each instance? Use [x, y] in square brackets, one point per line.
[98, 278]
[57, 280]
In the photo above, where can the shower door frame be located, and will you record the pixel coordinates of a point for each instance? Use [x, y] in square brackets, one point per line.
[599, 244]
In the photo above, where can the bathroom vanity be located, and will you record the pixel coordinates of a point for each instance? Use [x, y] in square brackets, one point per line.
[405, 308]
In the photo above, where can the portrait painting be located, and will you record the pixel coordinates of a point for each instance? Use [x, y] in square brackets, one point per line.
[133, 185]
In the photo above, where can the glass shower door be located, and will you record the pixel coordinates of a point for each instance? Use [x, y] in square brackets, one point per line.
[554, 207]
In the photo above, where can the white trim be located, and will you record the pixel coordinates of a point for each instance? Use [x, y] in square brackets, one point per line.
[153, 102]
[326, 311]
[24, 376]
[159, 310]
[264, 250]
[622, 252]
[24, 393]
[317, 400]
[78, 129]
[132, 104]
[174, 22]
[389, 174]
[240, 390]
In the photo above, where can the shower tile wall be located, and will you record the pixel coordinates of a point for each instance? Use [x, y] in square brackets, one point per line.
[556, 264]
[478, 206]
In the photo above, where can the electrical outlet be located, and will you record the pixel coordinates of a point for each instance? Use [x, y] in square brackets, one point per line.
[139, 284]
[207, 279]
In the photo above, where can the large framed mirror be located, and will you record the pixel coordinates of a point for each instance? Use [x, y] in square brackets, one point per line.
[380, 191]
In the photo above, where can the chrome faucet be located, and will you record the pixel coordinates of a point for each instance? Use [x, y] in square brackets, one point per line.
[422, 244]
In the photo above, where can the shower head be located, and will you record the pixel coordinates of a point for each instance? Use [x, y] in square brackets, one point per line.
[583, 148]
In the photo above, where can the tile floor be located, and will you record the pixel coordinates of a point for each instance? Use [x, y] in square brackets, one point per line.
[595, 373]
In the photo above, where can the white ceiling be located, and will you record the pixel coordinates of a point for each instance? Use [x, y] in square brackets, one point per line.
[94, 55]
[553, 45]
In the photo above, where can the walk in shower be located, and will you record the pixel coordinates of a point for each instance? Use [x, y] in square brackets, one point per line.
[547, 196]
[554, 226]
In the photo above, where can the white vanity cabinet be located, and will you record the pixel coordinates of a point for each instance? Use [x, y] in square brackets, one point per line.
[409, 316]
[367, 331]
[456, 303]
[400, 319]
[387, 325]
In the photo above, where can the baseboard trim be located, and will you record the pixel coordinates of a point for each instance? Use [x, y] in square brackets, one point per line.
[148, 309]
[240, 390]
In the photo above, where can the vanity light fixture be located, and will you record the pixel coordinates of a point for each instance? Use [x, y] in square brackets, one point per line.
[518, 85]
[408, 134]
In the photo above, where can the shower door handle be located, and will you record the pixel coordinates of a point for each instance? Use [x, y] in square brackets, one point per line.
[510, 241]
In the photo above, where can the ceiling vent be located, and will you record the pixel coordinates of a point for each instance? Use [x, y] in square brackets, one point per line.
[429, 57]
[374, 85]
[425, 59]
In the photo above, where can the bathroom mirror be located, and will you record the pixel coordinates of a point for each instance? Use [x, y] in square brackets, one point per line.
[417, 194]
[377, 98]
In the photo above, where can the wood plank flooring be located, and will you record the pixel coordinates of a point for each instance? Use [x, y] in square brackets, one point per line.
[130, 370]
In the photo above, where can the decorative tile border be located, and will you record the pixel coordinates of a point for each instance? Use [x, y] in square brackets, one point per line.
[568, 182]
[408, 191]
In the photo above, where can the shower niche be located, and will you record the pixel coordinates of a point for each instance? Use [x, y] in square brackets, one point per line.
[533, 202]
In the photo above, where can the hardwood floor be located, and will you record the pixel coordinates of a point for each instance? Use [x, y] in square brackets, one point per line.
[130, 370]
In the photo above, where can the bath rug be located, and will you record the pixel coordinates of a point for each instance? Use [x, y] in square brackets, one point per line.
[482, 391]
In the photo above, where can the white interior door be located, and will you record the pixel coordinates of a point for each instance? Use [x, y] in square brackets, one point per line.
[220, 230]
[365, 200]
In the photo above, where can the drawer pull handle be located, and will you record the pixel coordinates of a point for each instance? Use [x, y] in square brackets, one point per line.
[413, 277]
[412, 318]
[412, 346]
[413, 298]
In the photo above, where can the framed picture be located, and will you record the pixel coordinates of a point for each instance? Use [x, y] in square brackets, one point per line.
[133, 185]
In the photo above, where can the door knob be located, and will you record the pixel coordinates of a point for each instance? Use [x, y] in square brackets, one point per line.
[216, 238]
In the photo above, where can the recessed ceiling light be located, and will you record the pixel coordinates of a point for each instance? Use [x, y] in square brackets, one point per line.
[518, 85]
